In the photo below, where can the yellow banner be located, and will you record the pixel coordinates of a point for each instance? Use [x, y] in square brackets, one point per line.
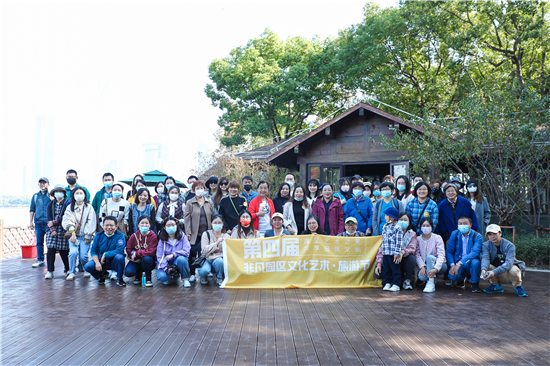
[315, 261]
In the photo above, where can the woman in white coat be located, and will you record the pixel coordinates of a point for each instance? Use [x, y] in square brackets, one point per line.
[296, 211]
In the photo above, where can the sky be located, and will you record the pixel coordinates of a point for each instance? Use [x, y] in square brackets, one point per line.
[85, 84]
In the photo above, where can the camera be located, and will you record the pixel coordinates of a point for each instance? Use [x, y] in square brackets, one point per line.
[173, 270]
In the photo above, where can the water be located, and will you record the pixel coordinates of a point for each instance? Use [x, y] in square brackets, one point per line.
[15, 216]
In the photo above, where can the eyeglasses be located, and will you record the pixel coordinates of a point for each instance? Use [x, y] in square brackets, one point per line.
[108, 225]
[470, 186]
[223, 183]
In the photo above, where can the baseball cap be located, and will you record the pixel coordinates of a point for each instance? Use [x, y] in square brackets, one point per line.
[277, 214]
[44, 179]
[351, 218]
[493, 228]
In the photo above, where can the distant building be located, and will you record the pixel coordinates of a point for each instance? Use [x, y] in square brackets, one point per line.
[154, 156]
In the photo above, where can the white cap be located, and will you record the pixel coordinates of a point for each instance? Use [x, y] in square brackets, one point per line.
[277, 214]
[493, 228]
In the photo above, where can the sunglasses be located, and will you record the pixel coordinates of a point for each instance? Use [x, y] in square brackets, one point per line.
[470, 186]
[224, 183]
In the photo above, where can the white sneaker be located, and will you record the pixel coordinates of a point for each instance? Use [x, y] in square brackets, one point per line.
[219, 282]
[38, 264]
[387, 287]
[87, 275]
[186, 283]
[204, 281]
[407, 285]
[394, 288]
[49, 275]
[430, 287]
[192, 278]
[70, 277]
[210, 274]
[114, 277]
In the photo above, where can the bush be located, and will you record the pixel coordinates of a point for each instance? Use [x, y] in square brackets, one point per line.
[535, 252]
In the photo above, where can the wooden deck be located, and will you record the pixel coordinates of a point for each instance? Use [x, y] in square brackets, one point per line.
[79, 323]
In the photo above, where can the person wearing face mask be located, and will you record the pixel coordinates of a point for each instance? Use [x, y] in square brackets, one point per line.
[351, 228]
[345, 190]
[403, 190]
[463, 254]
[116, 206]
[408, 249]
[430, 255]
[212, 249]
[172, 250]
[376, 193]
[134, 189]
[248, 193]
[392, 242]
[55, 235]
[330, 211]
[360, 208]
[107, 253]
[104, 192]
[170, 182]
[480, 205]
[72, 181]
[312, 190]
[387, 201]
[435, 191]
[278, 229]
[422, 206]
[139, 185]
[39, 218]
[261, 208]
[159, 189]
[80, 222]
[173, 207]
[190, 194]
[141, 250]
[282, 197]
[296, 211]
[450, 209]
[367, 193]
[140, 208]
[291, 181]
[198, 219]
[231, 205]
[245, 229]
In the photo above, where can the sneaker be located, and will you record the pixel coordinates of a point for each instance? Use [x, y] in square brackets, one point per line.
[494, 289]
[186, 283]
[137, 281]
[210, 274]
[114, 276]
[387, 287]
[148, 283]
[219, 281]
[520, 291]
[87, 275]
[430, 287]
[38, 264]
[461, 284]
[407, 285]
[475, 287]
[101, 281]
[394, 288]
[65, 271]
[204, 281]
[167, 282]
[420, 284]
[192, 278]
[121, 283]
[70, 277]
[49, 275]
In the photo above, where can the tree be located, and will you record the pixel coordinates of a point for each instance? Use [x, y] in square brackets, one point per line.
[269, 88]
[500, 139]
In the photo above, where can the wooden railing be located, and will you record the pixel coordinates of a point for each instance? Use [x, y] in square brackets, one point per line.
[12, 237]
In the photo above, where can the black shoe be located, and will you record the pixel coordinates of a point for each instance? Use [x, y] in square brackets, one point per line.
[420, 284]
[101, 281]
[461, 284]
[121, 283]
[475, 287]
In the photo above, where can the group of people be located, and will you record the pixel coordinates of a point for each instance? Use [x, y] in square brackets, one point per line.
[181, 233]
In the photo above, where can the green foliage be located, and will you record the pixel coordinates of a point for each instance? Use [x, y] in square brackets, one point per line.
[533, 251]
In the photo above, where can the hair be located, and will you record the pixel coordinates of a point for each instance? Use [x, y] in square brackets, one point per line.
[145, 217]
[341, 181]
[139, 192]
[390, 177]
[209, 182]
[73, 201]
[198, 183]
[192, 177]
[240, 226]
[407, 191]
[247, 177]
[326, 184]
[281, 187]
[108, 175]
[287, 174]
[140, 181]
[451, 184]
[72, 171]
[233, 184]
[418, 176]
[171, 188]
[424, 219]
[319, 228]
[112, 218]
[305, 201]
[157, 185]
[119, 185]
[409, 217]
[374, 184]
[134, 181]
[387, 184]
[219, 194]
[417, 187]
[163, 235]
[437, 193]
[218, 216]
[476, 195]
[168, 178]
[316, 182]
[357, 184]
[264, 182]
[465, 217]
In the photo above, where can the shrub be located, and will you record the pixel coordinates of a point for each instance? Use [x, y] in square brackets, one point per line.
[535, 252]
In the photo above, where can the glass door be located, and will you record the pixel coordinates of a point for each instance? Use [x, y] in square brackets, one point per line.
[331, 174]
[400, 168]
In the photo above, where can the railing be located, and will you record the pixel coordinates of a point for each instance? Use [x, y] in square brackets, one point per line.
[13, 237]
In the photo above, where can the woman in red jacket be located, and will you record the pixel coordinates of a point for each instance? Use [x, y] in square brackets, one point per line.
[141, 249]
[261, 208]
[329, 210]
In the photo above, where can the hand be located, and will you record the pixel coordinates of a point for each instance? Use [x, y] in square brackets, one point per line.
[397, 259]
[228, 232]
[368, 232]
[432, 273]
[73, 238]
[260, 213]
[169, 257]
[378, 269]
[87, 241]
[423, 272]
[31, 226]
[189, 237]
[54, 233]
[490, 275]
[98, 267]
[454, 270]
[103, 258]
[50, 223]
[291, 230]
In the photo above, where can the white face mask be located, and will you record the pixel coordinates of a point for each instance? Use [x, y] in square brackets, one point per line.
[79, 197]
[344, 188]
[200, 192]
[174, 196]
[426, 230]
[472, 189]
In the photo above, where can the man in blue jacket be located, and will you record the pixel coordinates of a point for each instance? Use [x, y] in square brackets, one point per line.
[463, 253]
[107, 252]
[39, 218]
[452, 208]
[360, 208]
[103, 193]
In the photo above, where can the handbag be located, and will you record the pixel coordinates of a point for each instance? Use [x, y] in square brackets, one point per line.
[77, 228]
[199, 262]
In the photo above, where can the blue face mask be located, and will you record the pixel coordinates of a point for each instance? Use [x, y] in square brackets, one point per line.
[377, 193]
[171, 229]
[291, 184]
[463, 228]
[44, 189]
[298, 199]
[347, 232]
[403, 224]
[386, 194]
[108, 235]
[217, 227]
[357, 193]
[59, 195]
[144, 229]
[401, 187]
[117, 195]
[108, 184]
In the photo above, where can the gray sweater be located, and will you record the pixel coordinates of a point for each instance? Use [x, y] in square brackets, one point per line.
[508, 249]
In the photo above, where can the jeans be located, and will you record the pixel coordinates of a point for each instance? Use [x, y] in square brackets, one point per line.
[81, 249]
[146, 265]
[115, 263]
[407, 268]
[183, 266]
[430, 264]
[40, 231]
[207, 267]
[472, 269]
[391, 270]
[64, 254]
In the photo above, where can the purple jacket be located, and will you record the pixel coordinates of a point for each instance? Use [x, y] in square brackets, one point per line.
[335, 214]
[182, 248]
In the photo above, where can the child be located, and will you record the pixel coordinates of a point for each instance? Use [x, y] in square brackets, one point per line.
[392, 238]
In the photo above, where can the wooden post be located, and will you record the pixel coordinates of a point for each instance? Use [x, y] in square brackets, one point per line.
[1, 238]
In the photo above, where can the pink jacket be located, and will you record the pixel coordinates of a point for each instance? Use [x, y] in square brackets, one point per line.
[434, 247]
[409, 249]
[335, 214]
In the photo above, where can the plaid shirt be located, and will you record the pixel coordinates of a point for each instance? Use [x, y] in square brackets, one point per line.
[414, 208]
[392, 239]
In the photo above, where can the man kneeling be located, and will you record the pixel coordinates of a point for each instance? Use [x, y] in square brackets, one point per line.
[499, 258]
[463, 252]
[108, 245]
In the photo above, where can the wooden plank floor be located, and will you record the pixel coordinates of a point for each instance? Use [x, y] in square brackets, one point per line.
[79, 323]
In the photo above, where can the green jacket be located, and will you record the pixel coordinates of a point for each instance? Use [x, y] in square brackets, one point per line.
[98, 198]
[68, 190]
